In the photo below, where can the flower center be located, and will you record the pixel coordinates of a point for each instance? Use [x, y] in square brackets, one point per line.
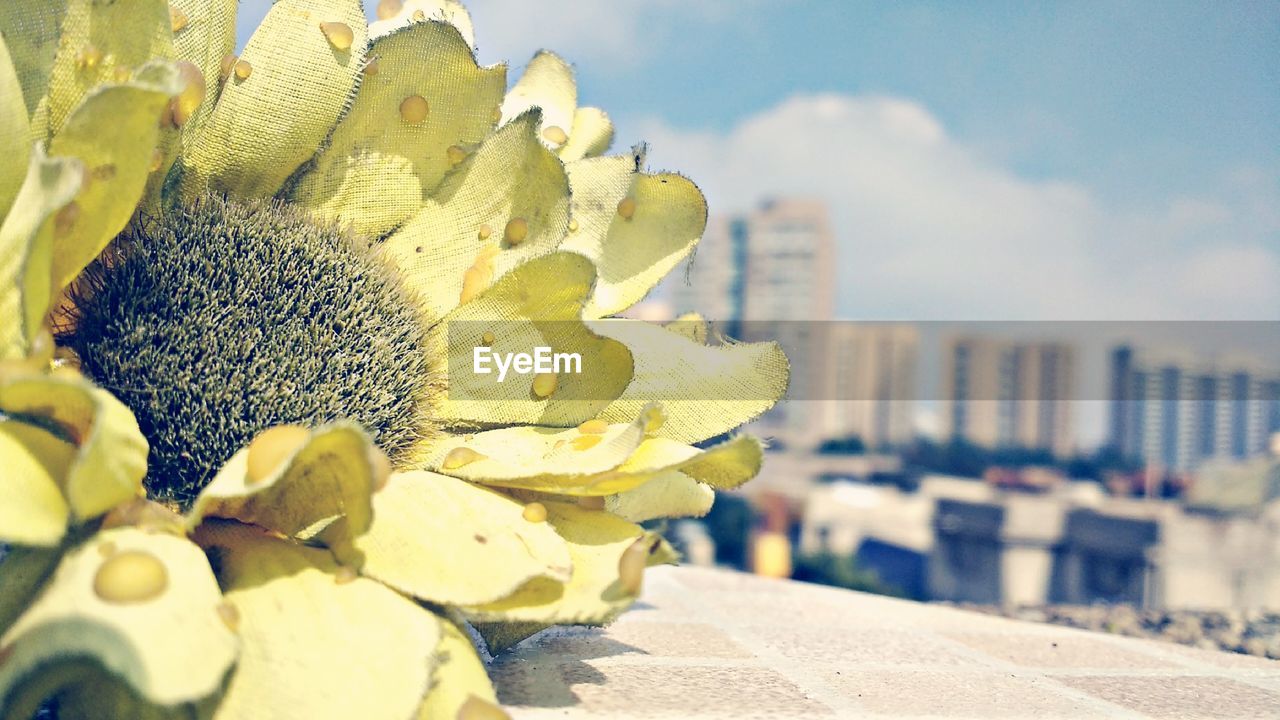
[218, 320]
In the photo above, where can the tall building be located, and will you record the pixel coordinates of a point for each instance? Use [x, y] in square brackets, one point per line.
[999, 393]
[871, 372]
[1176, 410]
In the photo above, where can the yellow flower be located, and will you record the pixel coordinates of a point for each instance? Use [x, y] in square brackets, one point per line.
[250, 480]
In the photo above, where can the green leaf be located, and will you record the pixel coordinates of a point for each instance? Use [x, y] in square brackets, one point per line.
[266, 125]
[378, 168]
[130, 609]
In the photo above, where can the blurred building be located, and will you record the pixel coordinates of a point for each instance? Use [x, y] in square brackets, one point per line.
[870, 373]
[999, 393]
[1176, 410]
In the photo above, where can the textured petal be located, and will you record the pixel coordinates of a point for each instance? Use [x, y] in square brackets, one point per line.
[111, 456]
[690, 325]
[667, 495]
[547, 83]
[32, 509]
[114, 132]
[330, 474]
[266, 125]
[31, 31]
[510, 179]
[664, 217]
[15, 132]
[705, 391]
[592, 135]
[536, 305]
[317, 641]
[460, 677]
[100, 41]
[547, 459]
[26, 250]
[204, 32]
[595, 595]
[449, 542]
[128, 608]
[378, 167]
[723, 467]
[416, 11]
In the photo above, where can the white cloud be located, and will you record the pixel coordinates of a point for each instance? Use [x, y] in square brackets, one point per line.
[929, 228]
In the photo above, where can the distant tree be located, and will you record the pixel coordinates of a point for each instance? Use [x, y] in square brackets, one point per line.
[851, 445]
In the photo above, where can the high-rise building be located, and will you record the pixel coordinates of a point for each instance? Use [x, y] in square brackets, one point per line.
[871, 373]
[1000, 393]
[1176, 410]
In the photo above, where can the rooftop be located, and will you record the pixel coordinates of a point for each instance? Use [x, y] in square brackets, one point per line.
[717, 644]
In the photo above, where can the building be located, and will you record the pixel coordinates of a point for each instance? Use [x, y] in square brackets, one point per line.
[1174, 411]
[999, 393]
[870, 370]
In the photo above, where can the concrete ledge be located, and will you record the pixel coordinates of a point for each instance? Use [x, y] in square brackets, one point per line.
[717, 644]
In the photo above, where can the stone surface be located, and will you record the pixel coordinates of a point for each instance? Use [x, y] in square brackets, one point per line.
[717, 644]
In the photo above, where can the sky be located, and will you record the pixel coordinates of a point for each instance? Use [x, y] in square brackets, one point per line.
[982, 160]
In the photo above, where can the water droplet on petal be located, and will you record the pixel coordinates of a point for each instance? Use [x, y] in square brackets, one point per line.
[193, 92]
[339, 34]
[535, 512]
[555, 135]
[544, 384]
[627, 208]
[460, 457]
[631, 566]
[517, 231]
[593, 427]
[178, 20]
[89, 57]
[271, 448]
[456, 155]
[388, 9]
[485, 232]
[586, 442]
[371, 67]
[242, 70]
[573, 225]
[229, 615]
[414, 109]
[476, 280]
[477, 709]
[488, 338]
[591, 502]
[129, 577]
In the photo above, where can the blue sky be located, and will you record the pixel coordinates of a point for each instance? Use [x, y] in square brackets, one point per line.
[1097, 158]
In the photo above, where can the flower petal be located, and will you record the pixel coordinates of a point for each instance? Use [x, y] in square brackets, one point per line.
[705, 391]
[669, 494]
[416, 11]
[460, 677]
[111, 457]
[331, 473]
[15, 132]
[469, 222]
[295, 86]
[546, 459]
[635, 227]
[596, 594]
[127, 608]
[538, 304]
[31, 30]
[26, 250]
[449, 542]
[378, 167]
[204, 33]
[723, 467]
[318, 642]
[592, 135]
[96, 40]
[547, 83]
[114, 132]
[32, 508]
[25, 570]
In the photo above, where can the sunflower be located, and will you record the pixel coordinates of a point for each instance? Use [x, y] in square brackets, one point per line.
[245, 467]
